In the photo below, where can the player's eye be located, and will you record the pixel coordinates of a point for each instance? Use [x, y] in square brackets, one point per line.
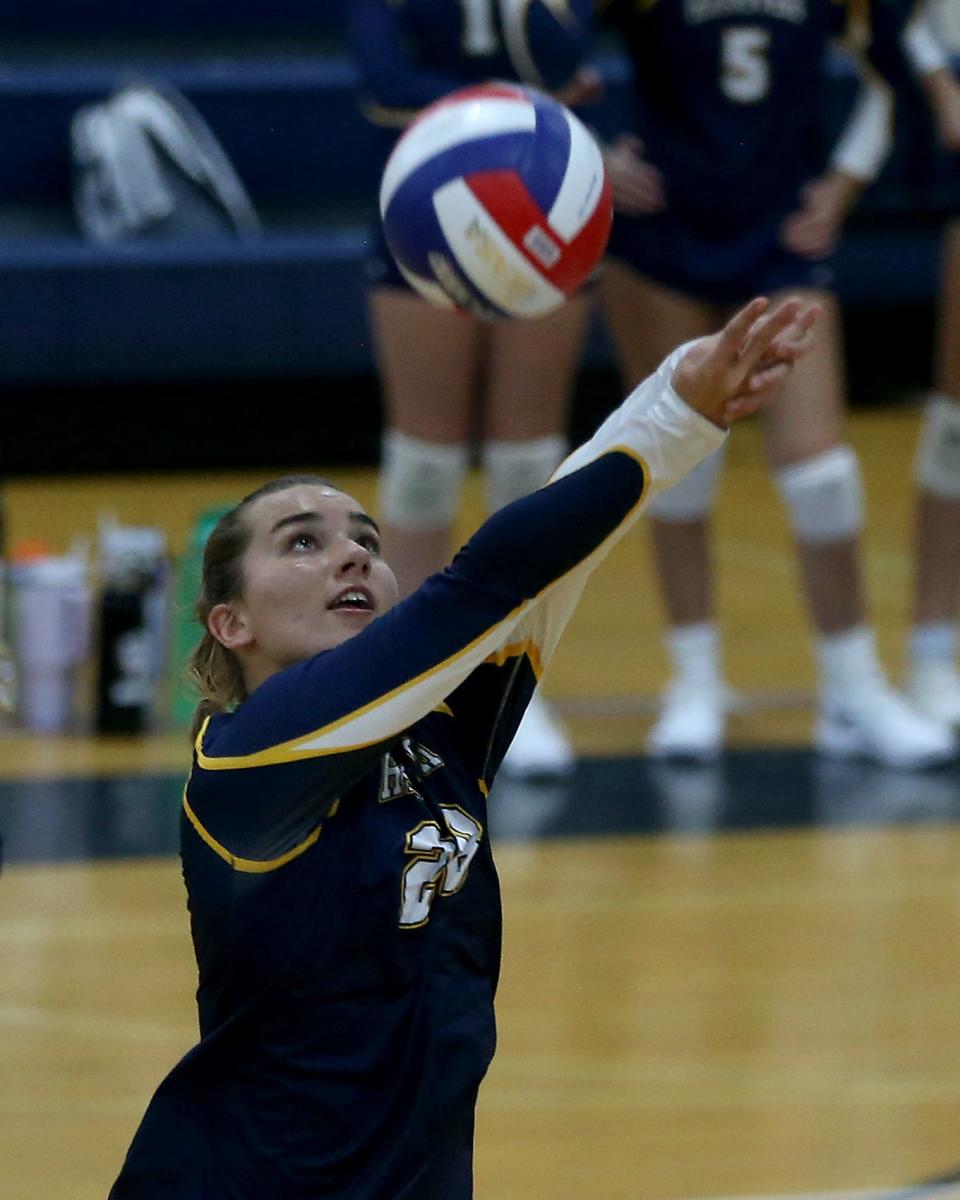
[302, 541]
[369, 541]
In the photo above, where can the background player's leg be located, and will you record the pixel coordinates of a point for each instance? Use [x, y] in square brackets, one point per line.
[934, 679]
[804, 425]
[819, 480]
[647, 321]
[531, 367]
[428, 359]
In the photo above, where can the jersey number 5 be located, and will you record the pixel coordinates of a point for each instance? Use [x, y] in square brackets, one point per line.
[441, 861]
[744, 64]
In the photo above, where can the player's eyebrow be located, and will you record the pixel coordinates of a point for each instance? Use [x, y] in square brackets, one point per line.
[294, 518]
[361, 518]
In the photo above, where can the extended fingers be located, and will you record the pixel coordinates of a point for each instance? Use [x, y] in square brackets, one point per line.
[798, 338]
[755, 392]
[734, 334]
[793, 342]
[765, 330]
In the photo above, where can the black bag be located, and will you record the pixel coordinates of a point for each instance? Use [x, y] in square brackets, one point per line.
[146, 164]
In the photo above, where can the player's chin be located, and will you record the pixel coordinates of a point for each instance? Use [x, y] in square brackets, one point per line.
[345, 623]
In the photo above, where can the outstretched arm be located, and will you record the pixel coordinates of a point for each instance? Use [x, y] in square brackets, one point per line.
[518, 579]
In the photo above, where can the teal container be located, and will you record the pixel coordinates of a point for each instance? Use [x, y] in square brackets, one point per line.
[186, 631]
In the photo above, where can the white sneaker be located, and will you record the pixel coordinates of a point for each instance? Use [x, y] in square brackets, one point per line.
[876, 722]
[692, 722]
[935, 690]
[540, 747]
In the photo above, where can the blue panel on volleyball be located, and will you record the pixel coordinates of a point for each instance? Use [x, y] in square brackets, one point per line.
[550, 159]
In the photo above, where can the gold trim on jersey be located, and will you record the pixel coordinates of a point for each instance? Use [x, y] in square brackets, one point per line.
[388, 118]
[518, 650]
[251, 866]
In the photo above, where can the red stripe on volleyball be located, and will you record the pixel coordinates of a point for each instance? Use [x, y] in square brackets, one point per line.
[588, 246]
[505, 197]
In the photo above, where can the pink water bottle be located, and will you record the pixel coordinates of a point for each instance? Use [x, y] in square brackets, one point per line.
[51, 637]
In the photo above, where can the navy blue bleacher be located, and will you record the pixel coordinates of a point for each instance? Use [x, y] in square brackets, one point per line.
[275, 84]
[94, 19]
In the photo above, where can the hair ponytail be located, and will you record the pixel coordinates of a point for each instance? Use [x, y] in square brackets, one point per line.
[217, 676]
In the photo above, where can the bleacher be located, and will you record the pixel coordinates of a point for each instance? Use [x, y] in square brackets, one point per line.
[273, 80]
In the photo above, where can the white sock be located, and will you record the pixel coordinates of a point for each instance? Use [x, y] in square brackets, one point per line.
[933, 641]
[695, 651]
[848, 661]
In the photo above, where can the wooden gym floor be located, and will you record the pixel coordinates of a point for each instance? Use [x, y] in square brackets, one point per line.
[737, 981]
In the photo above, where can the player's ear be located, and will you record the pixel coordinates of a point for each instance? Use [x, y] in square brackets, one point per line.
[229, 626]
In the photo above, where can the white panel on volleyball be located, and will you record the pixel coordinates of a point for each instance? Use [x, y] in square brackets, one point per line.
[486, 255]
[582, 183]
[453, 125]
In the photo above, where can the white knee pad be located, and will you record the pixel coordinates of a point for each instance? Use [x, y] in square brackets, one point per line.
[824, 496]
[936, 467]
[515, 469]
[420, 481]
[692, 498]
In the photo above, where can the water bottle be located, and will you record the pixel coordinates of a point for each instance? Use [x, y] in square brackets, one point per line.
[51, 637]
[8, 672]
[133, 627]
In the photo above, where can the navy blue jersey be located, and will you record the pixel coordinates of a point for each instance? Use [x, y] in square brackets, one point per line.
[412, 52]
[728, 96]
[343, 899]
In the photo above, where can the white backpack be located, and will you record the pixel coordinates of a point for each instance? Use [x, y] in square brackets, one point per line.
[147, 164]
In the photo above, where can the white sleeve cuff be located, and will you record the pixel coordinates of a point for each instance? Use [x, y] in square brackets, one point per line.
[657, 426]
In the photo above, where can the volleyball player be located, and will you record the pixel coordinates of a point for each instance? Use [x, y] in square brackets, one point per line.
[722, 192]
[343, 899]
[454, 385]
[932, 653]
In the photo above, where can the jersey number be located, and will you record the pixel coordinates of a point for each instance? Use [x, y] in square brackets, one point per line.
[479, 36]
[744, 64]
[441, 861]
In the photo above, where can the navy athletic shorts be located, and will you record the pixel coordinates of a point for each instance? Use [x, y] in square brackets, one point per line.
[721, 266]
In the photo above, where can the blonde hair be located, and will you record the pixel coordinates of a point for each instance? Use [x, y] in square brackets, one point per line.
[216, 671]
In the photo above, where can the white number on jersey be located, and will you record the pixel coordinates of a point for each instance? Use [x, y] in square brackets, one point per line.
[744, 65]
[441, 862]
[479, 36]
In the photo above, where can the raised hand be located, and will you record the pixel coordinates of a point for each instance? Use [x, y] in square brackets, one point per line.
[637, 185]
[814, 228]
[731, 374]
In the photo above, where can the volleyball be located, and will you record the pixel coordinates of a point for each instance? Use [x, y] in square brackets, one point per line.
[496, 201]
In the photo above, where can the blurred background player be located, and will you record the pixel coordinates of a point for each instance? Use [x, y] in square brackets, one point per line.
[934, 680]
[723, 192]
[450, 381]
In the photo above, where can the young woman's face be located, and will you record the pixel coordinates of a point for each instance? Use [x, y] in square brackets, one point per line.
[313, 577]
